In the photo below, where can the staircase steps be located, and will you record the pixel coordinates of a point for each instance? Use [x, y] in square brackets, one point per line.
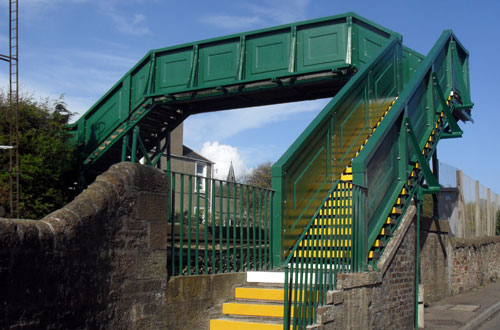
[399, 204]
[255, 306]
[339, 204]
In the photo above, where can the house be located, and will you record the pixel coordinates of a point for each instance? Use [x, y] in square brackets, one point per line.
[191, 174]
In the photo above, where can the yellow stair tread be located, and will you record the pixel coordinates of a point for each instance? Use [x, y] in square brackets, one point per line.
[225, 324]
[252, 309]
[324, 254]
[268, 294]
[346, 177]
[330, 231]
[326, 243]
[341, 221]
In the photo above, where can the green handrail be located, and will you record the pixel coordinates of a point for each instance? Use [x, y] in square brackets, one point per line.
[327, 246]
[321, 153]
[217, 226]
[390, 150]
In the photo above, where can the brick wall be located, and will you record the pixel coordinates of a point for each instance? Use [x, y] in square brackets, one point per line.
[97, 263]
[382, 299]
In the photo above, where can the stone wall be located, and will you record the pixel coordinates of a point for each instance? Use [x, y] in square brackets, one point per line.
[434, 250]
[451, 265]
[193, 300]
[97, 263]
[382, 299]
[473, 262]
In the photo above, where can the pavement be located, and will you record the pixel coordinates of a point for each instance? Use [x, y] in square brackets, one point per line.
[465, 311]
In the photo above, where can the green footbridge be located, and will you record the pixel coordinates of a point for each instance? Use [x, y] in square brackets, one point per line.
[343, 187]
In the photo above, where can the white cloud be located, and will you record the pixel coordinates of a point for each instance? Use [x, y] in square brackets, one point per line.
[222, 155]
[34, 8]
[133, 25]
[279, 12]
[222, 125]
[232, 22]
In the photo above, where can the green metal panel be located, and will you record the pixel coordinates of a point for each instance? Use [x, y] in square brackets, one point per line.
[109, 112]
[269, 55]
[140, 78]
[389, 152]
[296, 49]
[366, 43]
[411, 62]
[382, 174]
[321, 46]
[218, 62]
[321, 153]
[173, 70]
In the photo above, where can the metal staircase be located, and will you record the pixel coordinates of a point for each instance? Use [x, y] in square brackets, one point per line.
[354, 222]
[342, 188]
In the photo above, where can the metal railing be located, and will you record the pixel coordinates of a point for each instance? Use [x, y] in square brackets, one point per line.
[216, 226]
[326, 248]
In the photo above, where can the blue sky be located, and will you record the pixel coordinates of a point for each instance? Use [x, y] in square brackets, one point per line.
[80, 48]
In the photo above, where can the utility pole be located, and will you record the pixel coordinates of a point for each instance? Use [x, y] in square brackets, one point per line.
[13, 115]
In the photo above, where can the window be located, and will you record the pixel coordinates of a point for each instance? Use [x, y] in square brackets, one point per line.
[201, 173]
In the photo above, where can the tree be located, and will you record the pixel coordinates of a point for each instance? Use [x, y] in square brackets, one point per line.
[260, 176]
[46, 156]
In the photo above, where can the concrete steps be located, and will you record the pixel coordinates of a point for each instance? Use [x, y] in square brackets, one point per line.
[259, 305]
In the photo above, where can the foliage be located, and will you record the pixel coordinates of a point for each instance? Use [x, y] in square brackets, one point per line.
[428, 206]
[46, 158]
[260, 176]
[498, 223]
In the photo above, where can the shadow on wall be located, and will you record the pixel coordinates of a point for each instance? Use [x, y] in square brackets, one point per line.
[97, 263]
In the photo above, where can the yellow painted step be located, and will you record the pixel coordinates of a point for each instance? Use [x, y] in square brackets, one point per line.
[341, 194]
[396, 210]
[384, 231]
[343, 221]
[325, 254]
[267, 294]
[327, 243]
[348, 170]
[330, 231]
[225, 324]
[333, 211]
[346, 177]
[252, 309]
[338, 202]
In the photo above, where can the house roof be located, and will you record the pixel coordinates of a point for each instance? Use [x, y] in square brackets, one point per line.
[190, 153]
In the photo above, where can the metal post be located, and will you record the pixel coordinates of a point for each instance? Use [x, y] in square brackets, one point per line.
[477, 213]
[124, 148]
[419, 200]
[435, 199]
[169, 138]
[461, 207]
[490, 222]
[133, 156]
